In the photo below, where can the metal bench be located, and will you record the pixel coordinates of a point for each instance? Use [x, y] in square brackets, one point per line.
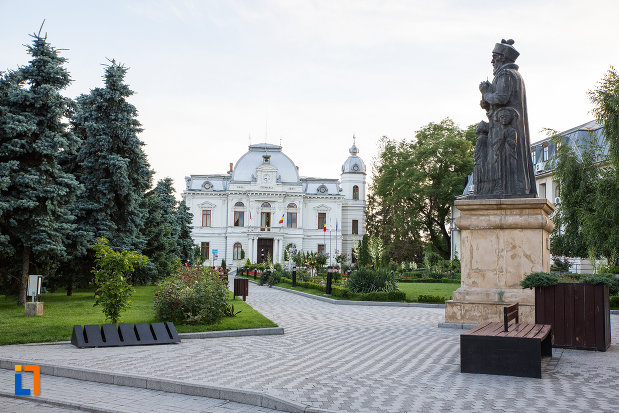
[501, 348]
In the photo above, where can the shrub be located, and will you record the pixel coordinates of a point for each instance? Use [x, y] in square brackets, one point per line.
[430, 280]
[539, 279]
[394, 295]
[342, 292]
[111, 268]
[365, 280]
[434, 299]
[614, 302]
[194, 295]
[560, 265]
[610, 280]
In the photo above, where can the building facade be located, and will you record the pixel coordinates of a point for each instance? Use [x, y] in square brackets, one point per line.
[262, 206]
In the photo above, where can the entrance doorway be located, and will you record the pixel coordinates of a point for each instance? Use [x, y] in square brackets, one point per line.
[265, 248]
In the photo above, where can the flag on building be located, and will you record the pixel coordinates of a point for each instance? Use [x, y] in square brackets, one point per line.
[281, 220]
[336, 225]
[324, 227]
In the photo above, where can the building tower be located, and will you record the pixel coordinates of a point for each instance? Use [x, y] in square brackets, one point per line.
[353, 207]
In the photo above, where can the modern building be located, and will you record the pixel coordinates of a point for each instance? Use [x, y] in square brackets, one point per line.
[543, 154]
[261, 206]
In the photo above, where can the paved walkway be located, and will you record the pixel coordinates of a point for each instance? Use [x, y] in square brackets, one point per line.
[70, 395]
[355, 358]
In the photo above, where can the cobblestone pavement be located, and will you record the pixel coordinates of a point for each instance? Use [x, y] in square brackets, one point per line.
[355, 358]
[108, 398]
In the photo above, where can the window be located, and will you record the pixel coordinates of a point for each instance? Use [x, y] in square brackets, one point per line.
[204, 250]
[206, 217]
[322, 220]
[239, 204]
[265, 219]
[545, 153]
[291, 221]
[265, 205]
[236, 251]
[322, 189]
[533, 156]
[355, 192]
[239, 218]
[321, 248]
[542, 190]
[355, 226]
[292, 205]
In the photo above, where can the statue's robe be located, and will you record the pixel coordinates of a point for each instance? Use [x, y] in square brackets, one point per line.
[508, 91]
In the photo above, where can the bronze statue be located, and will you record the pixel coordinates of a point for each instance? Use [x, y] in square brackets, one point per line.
[503, 167]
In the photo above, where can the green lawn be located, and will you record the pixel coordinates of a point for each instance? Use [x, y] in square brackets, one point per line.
[60, 313]
[413, 290]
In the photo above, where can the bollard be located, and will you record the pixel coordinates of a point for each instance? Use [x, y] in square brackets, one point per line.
[294, 276]
[329, 280]
[255, 276]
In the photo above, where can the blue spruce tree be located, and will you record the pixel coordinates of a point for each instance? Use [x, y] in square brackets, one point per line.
[114, 169]
[184, 242]
[35, 192]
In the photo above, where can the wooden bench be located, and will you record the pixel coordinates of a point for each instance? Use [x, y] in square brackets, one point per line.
[509, 350]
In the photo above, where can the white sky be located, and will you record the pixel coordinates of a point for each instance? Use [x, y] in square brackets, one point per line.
[208, 74]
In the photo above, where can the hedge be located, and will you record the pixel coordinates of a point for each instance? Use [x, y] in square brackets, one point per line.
[433, 299]
[430, 280]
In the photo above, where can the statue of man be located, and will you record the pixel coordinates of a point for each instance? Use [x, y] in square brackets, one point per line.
[506, 91]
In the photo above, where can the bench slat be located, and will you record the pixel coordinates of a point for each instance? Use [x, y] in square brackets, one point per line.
[518, 330]
[534, 331]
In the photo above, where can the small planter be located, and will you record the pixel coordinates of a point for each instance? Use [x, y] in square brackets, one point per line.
[579, 315]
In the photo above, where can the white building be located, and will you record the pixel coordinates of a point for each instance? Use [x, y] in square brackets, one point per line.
[262, 205]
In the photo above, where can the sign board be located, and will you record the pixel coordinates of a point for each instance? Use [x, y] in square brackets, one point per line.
[34, 286]
[215, 251]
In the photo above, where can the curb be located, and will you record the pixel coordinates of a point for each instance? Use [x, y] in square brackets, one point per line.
[462, 326]
[350, 302]
[250, 397]
[267, 331]
[67, 405]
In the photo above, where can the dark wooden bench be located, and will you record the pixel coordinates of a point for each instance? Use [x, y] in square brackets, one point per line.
[509, 350]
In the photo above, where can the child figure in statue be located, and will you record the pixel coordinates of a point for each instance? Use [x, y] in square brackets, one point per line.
[481, 157]
[507, 143]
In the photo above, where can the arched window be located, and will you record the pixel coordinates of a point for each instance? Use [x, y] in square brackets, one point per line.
[236, 251]
[265, 205]
[355, 192]
[292, 205]
[239, 204]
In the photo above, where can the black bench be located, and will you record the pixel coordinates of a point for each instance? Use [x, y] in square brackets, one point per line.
[498, 348]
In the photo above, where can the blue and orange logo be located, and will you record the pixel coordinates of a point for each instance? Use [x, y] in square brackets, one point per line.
[18, 379]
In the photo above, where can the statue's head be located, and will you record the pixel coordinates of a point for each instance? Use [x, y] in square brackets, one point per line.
[506, 115]
[482, 128]
[504, 53]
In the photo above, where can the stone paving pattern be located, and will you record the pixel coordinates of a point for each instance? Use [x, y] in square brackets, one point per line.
[109, 397]
[358, 359]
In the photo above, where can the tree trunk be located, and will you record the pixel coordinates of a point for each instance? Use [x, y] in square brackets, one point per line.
[25, 270]
[69, 285]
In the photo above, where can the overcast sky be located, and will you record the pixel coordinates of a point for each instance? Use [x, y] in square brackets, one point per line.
[208, 75]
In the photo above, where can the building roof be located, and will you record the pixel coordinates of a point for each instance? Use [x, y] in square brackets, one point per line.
[354, 164]
[245, 168]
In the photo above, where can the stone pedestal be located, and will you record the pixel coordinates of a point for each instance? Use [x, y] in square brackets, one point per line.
[34, 309]
[501, 241]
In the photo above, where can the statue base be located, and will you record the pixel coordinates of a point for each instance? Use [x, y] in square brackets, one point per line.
[501, 241]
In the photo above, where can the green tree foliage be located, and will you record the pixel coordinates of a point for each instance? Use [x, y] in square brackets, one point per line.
[115, 171]
[160, 231]
[35, 192]
[111, 269]
[605, 99]
[587, 220]
[413, 187]
[184, 242]
[364, 259]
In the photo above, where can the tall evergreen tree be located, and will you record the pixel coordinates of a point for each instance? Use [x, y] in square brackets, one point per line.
[115, 171]
[35, 192]
[184, 242]
[160, 232]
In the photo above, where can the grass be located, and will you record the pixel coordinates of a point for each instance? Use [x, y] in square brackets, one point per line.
[60, 313]
[413, 290]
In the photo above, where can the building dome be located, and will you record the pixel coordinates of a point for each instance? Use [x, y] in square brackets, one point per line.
[259, 154]
[354, 164]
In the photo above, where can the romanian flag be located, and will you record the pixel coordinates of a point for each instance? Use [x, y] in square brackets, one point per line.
[324, 227]
[281, 220]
